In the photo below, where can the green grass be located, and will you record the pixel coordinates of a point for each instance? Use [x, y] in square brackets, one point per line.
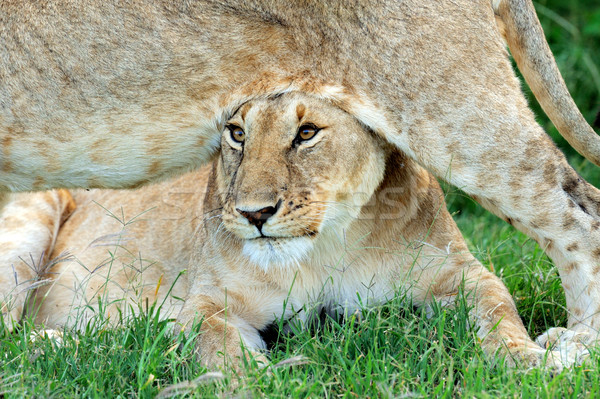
[393, 351]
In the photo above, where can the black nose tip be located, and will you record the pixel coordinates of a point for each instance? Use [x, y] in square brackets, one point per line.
[258, 218]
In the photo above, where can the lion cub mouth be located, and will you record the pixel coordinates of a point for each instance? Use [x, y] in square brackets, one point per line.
[266, 252]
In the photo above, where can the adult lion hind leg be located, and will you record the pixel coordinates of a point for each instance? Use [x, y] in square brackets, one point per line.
[566, 223]
[579, 262]
[491, 147]
[510, 165]
[29, 224]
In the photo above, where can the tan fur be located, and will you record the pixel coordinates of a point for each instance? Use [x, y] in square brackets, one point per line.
[346, 232]
[28, 228]
[106, 94]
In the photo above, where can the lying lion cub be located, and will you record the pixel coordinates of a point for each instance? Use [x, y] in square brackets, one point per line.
[303, 208]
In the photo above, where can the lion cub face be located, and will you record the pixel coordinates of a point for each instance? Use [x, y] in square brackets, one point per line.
[292, 170]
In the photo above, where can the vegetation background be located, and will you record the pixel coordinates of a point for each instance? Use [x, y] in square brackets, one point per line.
[395, 351]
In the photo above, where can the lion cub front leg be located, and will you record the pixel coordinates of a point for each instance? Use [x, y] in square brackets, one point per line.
[226, 340]
[493, 314]
[446, 267]
[29, 224]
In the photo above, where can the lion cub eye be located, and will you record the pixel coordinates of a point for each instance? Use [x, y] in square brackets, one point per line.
[306, 132]
[237, 133]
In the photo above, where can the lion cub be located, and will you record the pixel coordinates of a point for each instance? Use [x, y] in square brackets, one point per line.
[303, 208]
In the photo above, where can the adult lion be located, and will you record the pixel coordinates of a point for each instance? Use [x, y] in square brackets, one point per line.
[279, 226]
[101, 94]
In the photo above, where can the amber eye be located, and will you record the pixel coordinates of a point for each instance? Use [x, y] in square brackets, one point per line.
[307, 132]
[237, 133]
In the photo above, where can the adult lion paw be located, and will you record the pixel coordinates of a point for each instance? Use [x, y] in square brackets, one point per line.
[568, 346]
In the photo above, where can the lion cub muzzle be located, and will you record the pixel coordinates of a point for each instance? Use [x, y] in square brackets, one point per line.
[259, 217]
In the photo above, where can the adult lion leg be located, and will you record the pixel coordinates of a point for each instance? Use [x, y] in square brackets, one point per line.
[511, 167]
[570, 235]
[480, 135]
[29, 224]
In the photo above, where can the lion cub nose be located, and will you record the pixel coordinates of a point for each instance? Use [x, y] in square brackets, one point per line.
[258, 218]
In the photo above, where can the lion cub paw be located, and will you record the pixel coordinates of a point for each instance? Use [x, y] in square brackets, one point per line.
[233, 357]
[568, 346]
[55, 336]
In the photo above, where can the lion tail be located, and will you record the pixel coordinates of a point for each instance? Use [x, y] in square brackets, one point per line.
[526, 41]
